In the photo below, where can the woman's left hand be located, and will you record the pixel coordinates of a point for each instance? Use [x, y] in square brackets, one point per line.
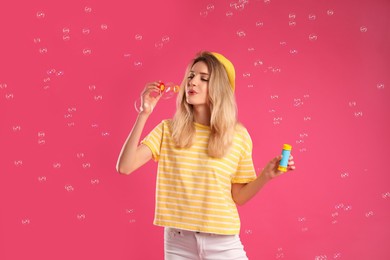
[271, 171]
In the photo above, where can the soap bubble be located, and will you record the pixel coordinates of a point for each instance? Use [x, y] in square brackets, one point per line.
[380, 86]
[40, 15]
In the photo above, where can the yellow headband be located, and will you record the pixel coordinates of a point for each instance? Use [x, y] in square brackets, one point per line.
[228, 67]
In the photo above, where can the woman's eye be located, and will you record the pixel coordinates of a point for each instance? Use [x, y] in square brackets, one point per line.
[205, 79]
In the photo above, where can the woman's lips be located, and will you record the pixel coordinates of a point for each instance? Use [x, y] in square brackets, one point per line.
[191, 92]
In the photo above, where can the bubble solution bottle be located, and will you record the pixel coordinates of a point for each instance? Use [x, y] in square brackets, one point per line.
[167, 91]
[285, 156]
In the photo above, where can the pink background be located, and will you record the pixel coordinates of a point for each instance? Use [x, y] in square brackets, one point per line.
[314, 74]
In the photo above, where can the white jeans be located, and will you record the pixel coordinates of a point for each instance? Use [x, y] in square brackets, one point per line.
[182, 244]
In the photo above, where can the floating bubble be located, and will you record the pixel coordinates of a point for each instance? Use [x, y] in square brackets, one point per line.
[60, 73]
[26, 221]
[95, 181]
[80, 155]
[283, 43]
[292, 16]
[330, 12]
[159, 45]
[87, 51]
[131, 221]
[9, 96]
[248, 231]
[88, 9]
[246, 75]
[138, 37]
[358, 114]
[69, 188]
[250, 86]
[37, 40]
[386, 195]
[363, 29]
[42, 178]
[66, 30]
[292, 23]
[229, 14]
[72, 109]
[344, 175]
[130, 211]
[98, 97]
[241, 34]
[40, 15]
[348, 208]
[274, 96]
[312, 17]
[92, 87]
[258, 63]
[66, 37]
[293, 52]
[165, 39]
[277, 120]
[203, 13]
[18, 163]
[259, 24]
[336, 255]
[3, 85]
[303, 135]
[267, 1]
[279, 253]
[380, 86]
[313, 37]
[320, 257]
[137, 64]
[41, 141]
[86, 31]
[250, 49]
[307, 118]
[104, 27]
[56, 165]
[298, 102]
[86, 165]
[81, 216]
[210, 7]
[105, 134]
[43, 50]
[369, 214]
[16, 128]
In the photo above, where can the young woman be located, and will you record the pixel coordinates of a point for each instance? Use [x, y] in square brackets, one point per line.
[205, 163]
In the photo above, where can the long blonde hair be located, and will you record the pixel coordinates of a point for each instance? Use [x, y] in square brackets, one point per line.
[222, 105]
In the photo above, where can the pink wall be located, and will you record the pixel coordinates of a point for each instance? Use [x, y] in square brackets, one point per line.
[311, 73]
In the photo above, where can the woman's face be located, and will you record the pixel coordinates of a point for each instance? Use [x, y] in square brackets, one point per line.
[197, 87]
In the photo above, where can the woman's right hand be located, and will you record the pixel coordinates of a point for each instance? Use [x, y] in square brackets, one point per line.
[149, 97]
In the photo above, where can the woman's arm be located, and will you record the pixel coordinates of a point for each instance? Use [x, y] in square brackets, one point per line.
[243, 192]
[133, 155]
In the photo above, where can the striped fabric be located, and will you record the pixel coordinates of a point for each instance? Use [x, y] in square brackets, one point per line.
[193, 190]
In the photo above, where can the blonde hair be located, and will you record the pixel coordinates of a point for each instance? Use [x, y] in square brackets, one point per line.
[222, 105]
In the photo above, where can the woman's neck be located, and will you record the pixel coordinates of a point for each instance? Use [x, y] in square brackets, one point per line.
[202, 115]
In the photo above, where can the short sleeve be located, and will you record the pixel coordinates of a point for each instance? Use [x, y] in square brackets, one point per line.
[154, 140]
[245, 171]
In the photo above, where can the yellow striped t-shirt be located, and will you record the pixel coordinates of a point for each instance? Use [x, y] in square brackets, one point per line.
[193, 190]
